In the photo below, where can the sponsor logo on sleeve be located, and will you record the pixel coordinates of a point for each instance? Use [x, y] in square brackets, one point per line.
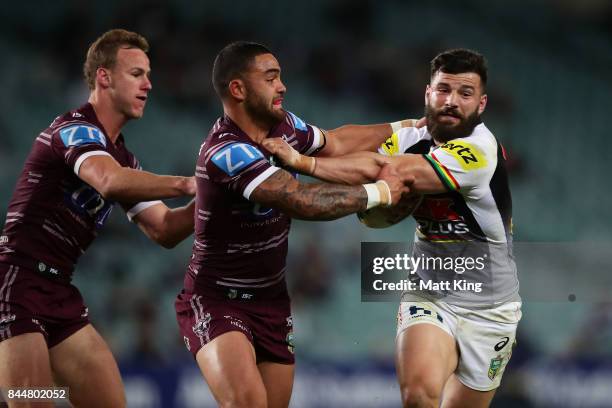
[78, 135]
[297, 122]
[469, 156]
[84, 199]
[391, 145]
[235, 157]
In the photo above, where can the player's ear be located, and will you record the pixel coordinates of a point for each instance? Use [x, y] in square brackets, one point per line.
[427, 93]
[237, 90]
[483, 104]
[103, 77]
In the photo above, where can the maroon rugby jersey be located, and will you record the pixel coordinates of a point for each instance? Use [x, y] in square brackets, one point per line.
[240, 245]
[53, 215]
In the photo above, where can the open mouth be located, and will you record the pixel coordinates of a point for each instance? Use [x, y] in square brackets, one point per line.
[277, 102]
[142, 98]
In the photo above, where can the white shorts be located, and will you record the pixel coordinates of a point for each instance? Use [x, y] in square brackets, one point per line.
[485, 337]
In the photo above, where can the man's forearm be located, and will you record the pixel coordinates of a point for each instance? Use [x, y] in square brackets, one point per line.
[323, 201]
[356, 138]
[355, 168]
[318, 201]
[179, 224]
[130, 185]
[353, 138]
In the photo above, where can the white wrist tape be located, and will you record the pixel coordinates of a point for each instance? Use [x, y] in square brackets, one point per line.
[379, 193]
[303, 164]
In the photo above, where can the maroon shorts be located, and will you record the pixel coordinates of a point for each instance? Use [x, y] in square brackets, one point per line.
[268, 324]
[33, 303]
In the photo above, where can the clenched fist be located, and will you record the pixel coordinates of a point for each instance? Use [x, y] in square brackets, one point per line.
[288, 156]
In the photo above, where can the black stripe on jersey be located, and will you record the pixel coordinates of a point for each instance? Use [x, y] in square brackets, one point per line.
[501, 190]
[421, 147]
[463, 210]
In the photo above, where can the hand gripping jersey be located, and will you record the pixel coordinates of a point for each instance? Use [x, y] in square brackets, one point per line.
[239, 245]
[473, 219]
[53, 215]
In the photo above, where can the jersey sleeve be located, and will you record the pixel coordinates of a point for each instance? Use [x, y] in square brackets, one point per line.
[399, 141]
[464, 165]
[237, 165]
[306, 139]
[79, 141]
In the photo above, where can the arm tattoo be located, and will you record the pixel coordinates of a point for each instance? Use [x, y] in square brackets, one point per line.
[309, 201]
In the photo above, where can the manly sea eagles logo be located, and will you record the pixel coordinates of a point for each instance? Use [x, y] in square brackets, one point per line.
[201, 326]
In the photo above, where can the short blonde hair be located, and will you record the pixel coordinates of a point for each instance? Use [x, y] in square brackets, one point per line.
[103, 51]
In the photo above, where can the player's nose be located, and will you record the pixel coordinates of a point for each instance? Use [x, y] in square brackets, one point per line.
[147, 85]
[451, 99]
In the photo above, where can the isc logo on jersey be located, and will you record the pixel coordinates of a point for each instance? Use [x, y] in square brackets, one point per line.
[235, 157]
[469, 156]
[77, 135]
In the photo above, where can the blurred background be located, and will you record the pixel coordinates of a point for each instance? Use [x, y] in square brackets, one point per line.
[346, 62]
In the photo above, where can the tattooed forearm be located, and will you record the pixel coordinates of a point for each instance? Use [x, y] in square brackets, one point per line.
[309, 201]
[325, 201]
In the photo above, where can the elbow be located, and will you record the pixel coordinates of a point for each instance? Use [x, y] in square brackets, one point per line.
[164, 239]
[168, 243]
[108, 187]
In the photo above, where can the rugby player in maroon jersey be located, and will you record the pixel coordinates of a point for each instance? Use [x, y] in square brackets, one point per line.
[234, 312]
[77, 169]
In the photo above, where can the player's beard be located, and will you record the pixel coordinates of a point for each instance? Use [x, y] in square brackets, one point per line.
[260, 111]
[443, 132]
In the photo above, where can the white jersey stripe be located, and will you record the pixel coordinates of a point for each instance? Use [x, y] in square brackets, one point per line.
[258, 180]
[140, 207]
[261, 285]
[255, 244]
[317, 140]
[257, 280]
[85, 156]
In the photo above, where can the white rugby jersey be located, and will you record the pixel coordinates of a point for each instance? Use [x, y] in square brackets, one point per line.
[472, 219]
